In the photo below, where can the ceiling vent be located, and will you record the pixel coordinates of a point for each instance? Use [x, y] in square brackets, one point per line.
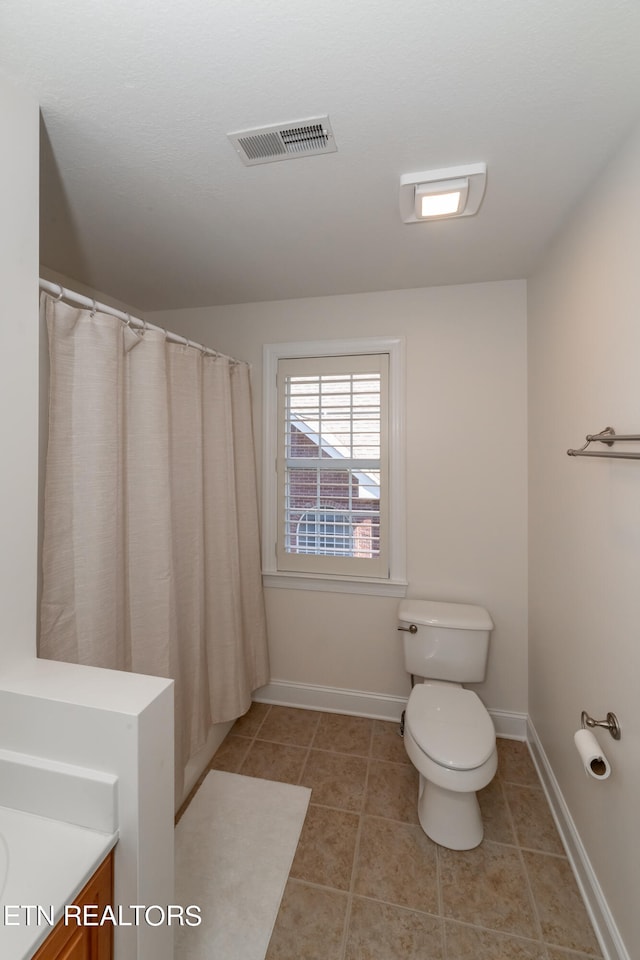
[284, 141]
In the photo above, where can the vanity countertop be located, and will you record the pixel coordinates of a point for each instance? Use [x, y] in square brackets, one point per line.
[43, 863]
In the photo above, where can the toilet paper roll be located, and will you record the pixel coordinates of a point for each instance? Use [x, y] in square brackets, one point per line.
[593, 759]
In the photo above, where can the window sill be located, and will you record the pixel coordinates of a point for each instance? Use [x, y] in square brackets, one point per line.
[369, 587]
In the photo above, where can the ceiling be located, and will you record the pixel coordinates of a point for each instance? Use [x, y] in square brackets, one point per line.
[145, 199]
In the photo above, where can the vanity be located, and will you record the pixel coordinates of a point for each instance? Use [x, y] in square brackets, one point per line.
[86, 767]
[53, 866]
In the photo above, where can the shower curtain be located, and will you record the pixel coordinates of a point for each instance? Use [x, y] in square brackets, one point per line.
[151, 545]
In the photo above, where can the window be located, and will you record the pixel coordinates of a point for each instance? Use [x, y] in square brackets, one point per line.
[332, 465]
[332, 507]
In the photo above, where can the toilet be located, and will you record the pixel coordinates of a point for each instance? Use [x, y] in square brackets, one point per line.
[448, 734]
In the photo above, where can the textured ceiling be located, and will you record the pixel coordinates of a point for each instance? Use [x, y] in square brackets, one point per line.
[144, 198]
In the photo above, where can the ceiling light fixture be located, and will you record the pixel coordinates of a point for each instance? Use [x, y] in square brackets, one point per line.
[442, 194]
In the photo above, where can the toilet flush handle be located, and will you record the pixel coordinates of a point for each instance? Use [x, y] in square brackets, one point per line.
[410, 629]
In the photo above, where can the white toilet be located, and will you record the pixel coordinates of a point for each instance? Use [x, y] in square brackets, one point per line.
[448, 734]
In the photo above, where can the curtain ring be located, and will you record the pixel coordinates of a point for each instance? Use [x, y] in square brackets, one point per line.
[60, 295]
[94, 309]
[127, 320]
[144, 327]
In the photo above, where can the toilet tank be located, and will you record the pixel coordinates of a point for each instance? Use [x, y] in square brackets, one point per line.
[451, 641]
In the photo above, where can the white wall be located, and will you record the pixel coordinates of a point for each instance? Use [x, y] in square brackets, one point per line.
[584, 354]
[18, 373]
[466, 460]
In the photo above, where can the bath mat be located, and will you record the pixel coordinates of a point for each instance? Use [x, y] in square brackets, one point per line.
[234, 848]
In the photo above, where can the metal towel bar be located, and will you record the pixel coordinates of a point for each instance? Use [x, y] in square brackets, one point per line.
[609, 437]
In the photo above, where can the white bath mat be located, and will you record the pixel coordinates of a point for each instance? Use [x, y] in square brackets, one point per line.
[234, 849]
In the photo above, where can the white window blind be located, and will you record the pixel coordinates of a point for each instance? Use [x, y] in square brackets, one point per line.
[332, 469]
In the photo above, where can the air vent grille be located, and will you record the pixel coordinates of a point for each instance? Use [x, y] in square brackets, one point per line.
[304, 138]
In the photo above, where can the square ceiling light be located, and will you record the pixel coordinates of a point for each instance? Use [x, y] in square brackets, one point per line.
[442, 194]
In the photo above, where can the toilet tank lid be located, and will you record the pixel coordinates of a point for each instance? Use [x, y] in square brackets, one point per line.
[458, 616]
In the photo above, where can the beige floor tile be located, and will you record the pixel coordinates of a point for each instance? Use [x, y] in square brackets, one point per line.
[563, 917]
[290, 725]
[336, 779]
[410, 898]
[231, 753]
[387, 744]
[326, 848]
[472, 943]
[274, 761]
[309, 925]
[396, 862]
[249, 724]
[392, 791]
[515, 764]
[343, 734]
[380, 931]
[556, 953]
[488, 887]
[495, 813]
[535, 827]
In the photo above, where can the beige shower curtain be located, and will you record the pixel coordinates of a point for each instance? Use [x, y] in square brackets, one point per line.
[151, 546]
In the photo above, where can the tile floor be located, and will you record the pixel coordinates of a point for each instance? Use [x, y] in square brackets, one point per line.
[367, 883]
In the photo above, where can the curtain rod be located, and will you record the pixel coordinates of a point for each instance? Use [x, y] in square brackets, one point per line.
[58, 292]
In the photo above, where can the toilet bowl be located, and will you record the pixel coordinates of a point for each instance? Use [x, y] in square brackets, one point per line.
[450, 739]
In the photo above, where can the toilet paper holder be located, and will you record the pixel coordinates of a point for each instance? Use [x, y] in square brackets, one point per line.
[611, 723]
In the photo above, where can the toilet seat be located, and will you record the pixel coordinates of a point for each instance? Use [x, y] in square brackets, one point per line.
[450, 725]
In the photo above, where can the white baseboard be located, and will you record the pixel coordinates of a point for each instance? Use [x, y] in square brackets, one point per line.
[359, 703]
[511, 726]
[606, 930]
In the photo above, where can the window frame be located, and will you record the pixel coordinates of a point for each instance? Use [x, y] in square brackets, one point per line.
[395, 583]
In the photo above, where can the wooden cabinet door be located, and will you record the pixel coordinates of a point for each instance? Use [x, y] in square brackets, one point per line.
[73, 942]
[77, 948]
